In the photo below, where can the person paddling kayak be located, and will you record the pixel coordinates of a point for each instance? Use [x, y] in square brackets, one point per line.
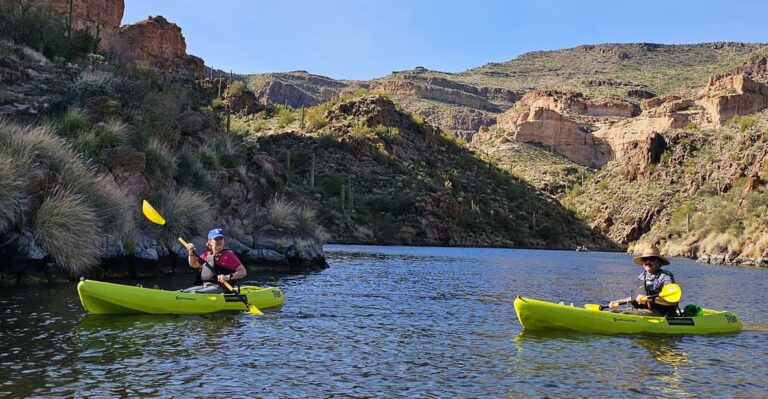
[644, 299]
[217, 264]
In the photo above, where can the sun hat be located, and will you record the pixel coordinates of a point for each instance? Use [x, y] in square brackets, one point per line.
[651, 253]
[215, 233]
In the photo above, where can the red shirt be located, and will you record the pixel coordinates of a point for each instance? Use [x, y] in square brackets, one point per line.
[227, 260]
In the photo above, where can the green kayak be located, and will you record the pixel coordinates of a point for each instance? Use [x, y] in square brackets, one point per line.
[106, 298]
[536, 315]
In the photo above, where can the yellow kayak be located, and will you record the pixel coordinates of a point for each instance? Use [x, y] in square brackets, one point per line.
[547, 316]
[106, 298]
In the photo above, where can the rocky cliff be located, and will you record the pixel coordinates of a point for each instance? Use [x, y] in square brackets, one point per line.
[154, 41]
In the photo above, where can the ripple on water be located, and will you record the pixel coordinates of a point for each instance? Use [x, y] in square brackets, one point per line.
[388, 322]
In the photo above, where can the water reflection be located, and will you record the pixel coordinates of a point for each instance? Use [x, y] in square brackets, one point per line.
[664, 349]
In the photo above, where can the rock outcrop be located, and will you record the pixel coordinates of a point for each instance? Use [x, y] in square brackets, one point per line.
[160, 44]
[100, 17]
[154, 41]
[593, 132]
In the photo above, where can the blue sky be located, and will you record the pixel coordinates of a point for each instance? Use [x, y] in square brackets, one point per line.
[366, 39]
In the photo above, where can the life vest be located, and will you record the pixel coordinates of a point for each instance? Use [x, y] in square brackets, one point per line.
[652, 286]
[212, 269]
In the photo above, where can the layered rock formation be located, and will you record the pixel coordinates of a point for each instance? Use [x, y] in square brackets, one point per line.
[593, 132]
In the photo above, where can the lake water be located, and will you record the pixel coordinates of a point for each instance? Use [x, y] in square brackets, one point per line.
[393, 322]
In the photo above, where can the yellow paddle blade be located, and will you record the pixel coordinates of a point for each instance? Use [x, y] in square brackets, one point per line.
[252, 309]
[671, 293]
[151, 213]
[592, 306]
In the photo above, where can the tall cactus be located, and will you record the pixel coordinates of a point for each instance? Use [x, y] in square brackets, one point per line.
[288, 165]
[312, 172]
[350, 198]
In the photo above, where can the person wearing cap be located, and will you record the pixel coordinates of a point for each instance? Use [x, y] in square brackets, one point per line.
[217, 264]
[652, 280]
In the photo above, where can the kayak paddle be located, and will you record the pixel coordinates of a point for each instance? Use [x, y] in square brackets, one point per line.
[670, 293]
[155, 217]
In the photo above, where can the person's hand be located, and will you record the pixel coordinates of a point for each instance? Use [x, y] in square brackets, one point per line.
[641, 299]
[613, 304]
[224, 277]
[191, 248]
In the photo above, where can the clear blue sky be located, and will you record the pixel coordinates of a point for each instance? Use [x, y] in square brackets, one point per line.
[366, 39]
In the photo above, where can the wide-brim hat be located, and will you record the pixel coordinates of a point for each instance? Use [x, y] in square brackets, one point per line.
[651, 253]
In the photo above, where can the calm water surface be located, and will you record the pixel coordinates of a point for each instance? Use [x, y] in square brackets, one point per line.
[393, 322]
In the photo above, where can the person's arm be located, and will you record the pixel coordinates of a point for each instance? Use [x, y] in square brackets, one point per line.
[192, 257]
[239, 270]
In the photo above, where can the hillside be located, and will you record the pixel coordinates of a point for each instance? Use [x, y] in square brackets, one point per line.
[464, 102]
[376, 174]
[703, 196]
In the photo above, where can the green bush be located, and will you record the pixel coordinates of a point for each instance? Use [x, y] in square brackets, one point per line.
[316, 119]
[160, 161]
[236, 88]
[73, 122]
[285, 117]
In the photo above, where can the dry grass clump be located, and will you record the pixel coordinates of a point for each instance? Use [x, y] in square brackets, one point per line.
[281, 213]
[12, 196]
[187, 213]
[78, 207]
[285, 214]
[67, 229]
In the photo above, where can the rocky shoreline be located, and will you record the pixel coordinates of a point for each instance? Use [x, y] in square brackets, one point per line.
[272, 250]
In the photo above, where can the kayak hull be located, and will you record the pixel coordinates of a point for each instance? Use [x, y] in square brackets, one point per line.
[537, 315]
[98, 297]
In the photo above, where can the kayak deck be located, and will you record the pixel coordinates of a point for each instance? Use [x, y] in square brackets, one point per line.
[537, 315]
[98, 297]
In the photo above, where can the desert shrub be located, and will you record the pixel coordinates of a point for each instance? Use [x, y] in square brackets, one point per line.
[306, 218]
[316, 119]
[236, 88]
[102, 136]
[361, 131]
[74, 121]
[187, 213]
[285, 117]
[389, 134]
[226, 149]
[331, 184]
[281, 213]
[92, 83]
[159, 111]
[191, 172]
[690, 126]
[744, 122]
[160, 160]
[66, 228]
